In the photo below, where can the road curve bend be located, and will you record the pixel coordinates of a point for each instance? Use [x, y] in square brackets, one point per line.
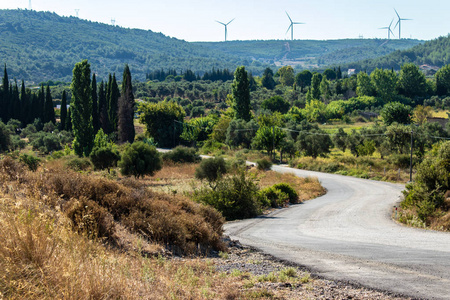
[348, 235]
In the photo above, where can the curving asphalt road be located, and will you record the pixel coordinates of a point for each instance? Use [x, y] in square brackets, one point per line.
[348, 235]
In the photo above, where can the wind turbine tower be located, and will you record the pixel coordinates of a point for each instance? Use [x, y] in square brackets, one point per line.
[29, 5]
[77, 11]
[291, 27]
[113, 22]
[225, 27]
[399, 23]
[389, 30]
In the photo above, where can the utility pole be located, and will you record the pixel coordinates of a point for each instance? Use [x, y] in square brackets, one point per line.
[273, 142]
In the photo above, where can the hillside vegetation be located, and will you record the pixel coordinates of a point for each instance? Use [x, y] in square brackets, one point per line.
[434, 53]
[39, 46]
[310, 53]
[42, 46]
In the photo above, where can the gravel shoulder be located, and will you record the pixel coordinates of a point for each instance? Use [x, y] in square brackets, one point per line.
[261, 272]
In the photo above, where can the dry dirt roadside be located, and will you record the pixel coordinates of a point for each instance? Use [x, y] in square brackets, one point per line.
[348, 235]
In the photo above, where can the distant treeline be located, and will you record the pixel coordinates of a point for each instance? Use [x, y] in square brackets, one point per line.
[189, 75]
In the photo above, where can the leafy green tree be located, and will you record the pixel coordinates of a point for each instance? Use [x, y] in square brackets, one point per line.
[126, 109]
[396, 112]
[241, 95]
[63, 114]
[384, 82]
[411, 81]
[325, 88]
[241, 133]
[268, 138]
[314, 143]
[398, 137]
[276, 103]
[267, 80]
[329, 74]
[140, 159]
[286, 75]
[211, 169]
[5, 138]
[219, 132]
[163, 121]
[303, 79]
[49, 111]
[340, 139]
[81, 109]
[315, 86]
[442, 77]
[364, 85]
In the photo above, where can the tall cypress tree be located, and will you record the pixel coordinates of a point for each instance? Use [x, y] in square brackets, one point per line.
[49, 110]
[4, 104]
[103, 109]
[81, 109]
[68, 124]
[113, 99]
[25, 105]
[241, 95]
[15, 102]
[63, 114]
[41, 103]
[126, 109]
[95, 120]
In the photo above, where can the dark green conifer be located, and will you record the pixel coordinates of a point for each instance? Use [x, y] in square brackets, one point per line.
[126, 109]
[49, 110]
[63, 114]
[95, 119]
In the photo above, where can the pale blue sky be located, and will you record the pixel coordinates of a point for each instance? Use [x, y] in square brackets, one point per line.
[259, 19]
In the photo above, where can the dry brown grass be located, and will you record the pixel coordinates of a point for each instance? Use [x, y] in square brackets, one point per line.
[42, 258]
[174, 178]
[306, 187]
[96, 206]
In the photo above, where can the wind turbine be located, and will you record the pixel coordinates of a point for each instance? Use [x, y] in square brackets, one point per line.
[389, 30]
[225, 27]
[291, 27]
[399, 23]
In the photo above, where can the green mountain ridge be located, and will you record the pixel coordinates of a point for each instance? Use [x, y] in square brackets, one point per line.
[42, 46]
[434, 53]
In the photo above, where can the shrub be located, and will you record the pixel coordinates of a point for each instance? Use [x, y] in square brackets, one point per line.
[104, 158]
[89, 218]
[274, 196]
[5, 139]
[78, 164]
[400, 160]
[236, 197]
[182, 154]
[45, 142]
[140, 159]
[211, 169]
[263, 164]
[32, 162]
[289, 190]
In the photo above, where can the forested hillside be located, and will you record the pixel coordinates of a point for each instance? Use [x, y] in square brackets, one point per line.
[42, 46]
[434, 53]
[39, 46]
[309, 53]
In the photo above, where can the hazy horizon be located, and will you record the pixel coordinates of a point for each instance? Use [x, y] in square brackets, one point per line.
[195, 21]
